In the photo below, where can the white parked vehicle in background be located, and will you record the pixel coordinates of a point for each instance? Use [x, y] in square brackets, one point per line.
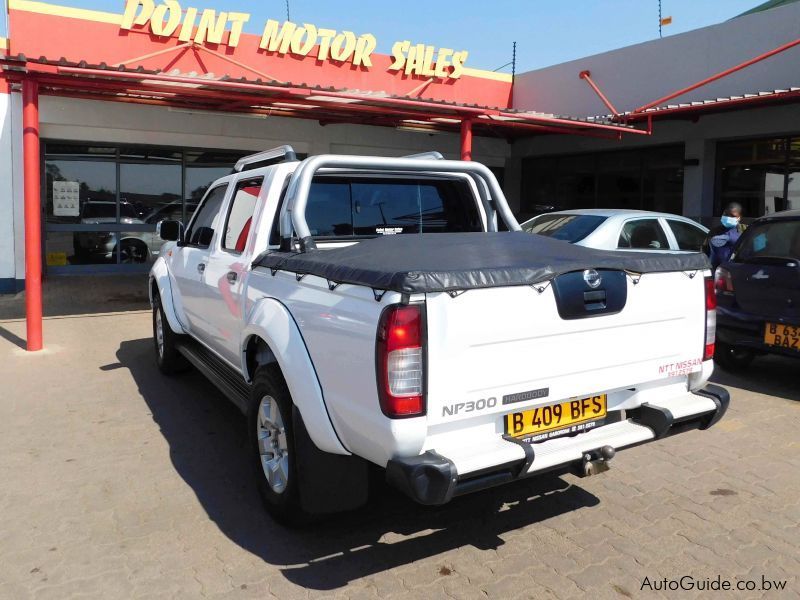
[366, 312]
[617, 229]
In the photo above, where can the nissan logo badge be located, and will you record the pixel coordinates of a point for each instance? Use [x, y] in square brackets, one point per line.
[592, 278]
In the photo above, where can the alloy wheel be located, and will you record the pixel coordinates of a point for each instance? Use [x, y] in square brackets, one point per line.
[272, 444]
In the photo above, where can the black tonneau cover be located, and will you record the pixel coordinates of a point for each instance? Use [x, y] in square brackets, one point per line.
[442, 262]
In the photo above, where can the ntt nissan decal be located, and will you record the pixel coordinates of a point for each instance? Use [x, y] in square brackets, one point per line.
[210, 26]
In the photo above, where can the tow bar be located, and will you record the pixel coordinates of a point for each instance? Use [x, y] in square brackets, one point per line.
[596, 461]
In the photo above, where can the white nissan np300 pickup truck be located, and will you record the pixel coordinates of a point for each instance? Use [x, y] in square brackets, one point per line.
[364, 310]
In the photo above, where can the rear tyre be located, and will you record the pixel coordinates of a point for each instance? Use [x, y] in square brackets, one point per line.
[168, 359]
[731, 358]
[272, 446]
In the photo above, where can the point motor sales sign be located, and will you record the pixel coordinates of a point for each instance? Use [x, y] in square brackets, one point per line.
[210, 26]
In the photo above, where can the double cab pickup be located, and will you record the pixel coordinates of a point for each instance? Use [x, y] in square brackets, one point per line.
[388, 314]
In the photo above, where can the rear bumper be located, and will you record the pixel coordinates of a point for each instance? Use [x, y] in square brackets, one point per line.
[432, 478]
[747, 331]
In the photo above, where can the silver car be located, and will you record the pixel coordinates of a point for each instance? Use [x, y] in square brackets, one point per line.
[617, 229]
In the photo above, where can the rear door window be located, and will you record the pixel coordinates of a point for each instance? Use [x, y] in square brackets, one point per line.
[240, 214]
[643, 234]
[689, 237]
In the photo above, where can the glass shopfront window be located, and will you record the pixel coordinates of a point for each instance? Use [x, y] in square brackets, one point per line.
[102, 202]
[761, 175]
[647, 179]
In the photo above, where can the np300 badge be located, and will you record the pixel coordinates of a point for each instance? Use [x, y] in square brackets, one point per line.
[592, 278]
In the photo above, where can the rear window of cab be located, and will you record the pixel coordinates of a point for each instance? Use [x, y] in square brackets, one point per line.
[770, 240]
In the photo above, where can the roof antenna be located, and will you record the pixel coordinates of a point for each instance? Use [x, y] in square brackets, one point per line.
[512, 62]
[287, 11]
[659, 17]
[662, 21]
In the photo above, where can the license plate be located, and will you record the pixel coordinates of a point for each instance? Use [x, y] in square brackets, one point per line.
[782, 336]
[546, 422]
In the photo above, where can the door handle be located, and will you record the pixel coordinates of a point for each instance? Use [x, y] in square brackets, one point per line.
[231, 276]
[201, 267]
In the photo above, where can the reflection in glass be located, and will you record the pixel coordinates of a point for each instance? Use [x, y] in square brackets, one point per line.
[647, 179]
[110, 225]
[151, 192]
[64, 248]
[94, 183]
[199, 179]
[752, 173]
[148, 188]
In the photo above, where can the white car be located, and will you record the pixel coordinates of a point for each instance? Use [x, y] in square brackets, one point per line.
[615, 229]
[366, 312]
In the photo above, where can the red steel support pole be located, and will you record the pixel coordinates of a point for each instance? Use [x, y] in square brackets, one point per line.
[587, 77]
[33, 214]
[719, 75]
[466, 139]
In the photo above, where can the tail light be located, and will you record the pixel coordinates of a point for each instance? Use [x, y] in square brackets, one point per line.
[711, 319]
[723, 281]
[400, 361]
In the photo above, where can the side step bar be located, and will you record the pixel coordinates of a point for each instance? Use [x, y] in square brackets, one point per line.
[226, 379]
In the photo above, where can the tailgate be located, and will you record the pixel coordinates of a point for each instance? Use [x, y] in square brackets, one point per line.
[769, 288]
[491, 351]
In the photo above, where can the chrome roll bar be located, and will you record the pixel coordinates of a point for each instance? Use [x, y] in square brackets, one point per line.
[293, 214]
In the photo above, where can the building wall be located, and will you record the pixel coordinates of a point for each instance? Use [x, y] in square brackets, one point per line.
[12, 257]
[700, 138]
[97, 121]
[639, 74]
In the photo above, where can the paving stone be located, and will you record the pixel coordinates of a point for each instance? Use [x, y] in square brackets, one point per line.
[144, 493]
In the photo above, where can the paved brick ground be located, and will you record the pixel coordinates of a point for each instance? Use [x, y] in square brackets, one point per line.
[117, 482]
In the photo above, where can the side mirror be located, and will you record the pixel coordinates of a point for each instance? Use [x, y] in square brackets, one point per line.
[170, 231]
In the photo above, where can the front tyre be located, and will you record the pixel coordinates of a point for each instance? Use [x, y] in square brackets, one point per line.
[272, 446]
[168, 359]
[731, 358]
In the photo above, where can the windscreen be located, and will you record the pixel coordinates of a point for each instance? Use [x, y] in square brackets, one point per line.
[769, 241]
[372, 206]
[569, 228]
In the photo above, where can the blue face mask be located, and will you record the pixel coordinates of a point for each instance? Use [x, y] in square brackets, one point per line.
[729, 222]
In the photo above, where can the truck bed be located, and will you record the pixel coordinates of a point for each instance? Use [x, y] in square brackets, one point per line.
[444, 262]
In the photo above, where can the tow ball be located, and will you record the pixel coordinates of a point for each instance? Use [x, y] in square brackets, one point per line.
[596, 461]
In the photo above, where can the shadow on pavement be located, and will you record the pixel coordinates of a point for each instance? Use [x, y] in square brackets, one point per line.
[82, 295]
[12, 337]
[769, 375]
[206, 436]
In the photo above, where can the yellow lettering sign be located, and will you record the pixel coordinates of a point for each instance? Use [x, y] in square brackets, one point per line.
[167, 18]
[418, 59]
[277, 40]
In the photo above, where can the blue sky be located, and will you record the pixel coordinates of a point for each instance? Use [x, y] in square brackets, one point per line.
[546, 32]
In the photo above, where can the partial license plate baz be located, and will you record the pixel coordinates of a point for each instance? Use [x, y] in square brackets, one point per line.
[783, 336]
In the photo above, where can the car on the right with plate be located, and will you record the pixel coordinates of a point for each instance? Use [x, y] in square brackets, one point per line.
[758, 293]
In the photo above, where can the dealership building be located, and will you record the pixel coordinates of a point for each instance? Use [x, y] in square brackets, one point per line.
[113, 121]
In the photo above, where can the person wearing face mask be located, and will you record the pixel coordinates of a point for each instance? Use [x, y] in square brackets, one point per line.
[722, 238]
